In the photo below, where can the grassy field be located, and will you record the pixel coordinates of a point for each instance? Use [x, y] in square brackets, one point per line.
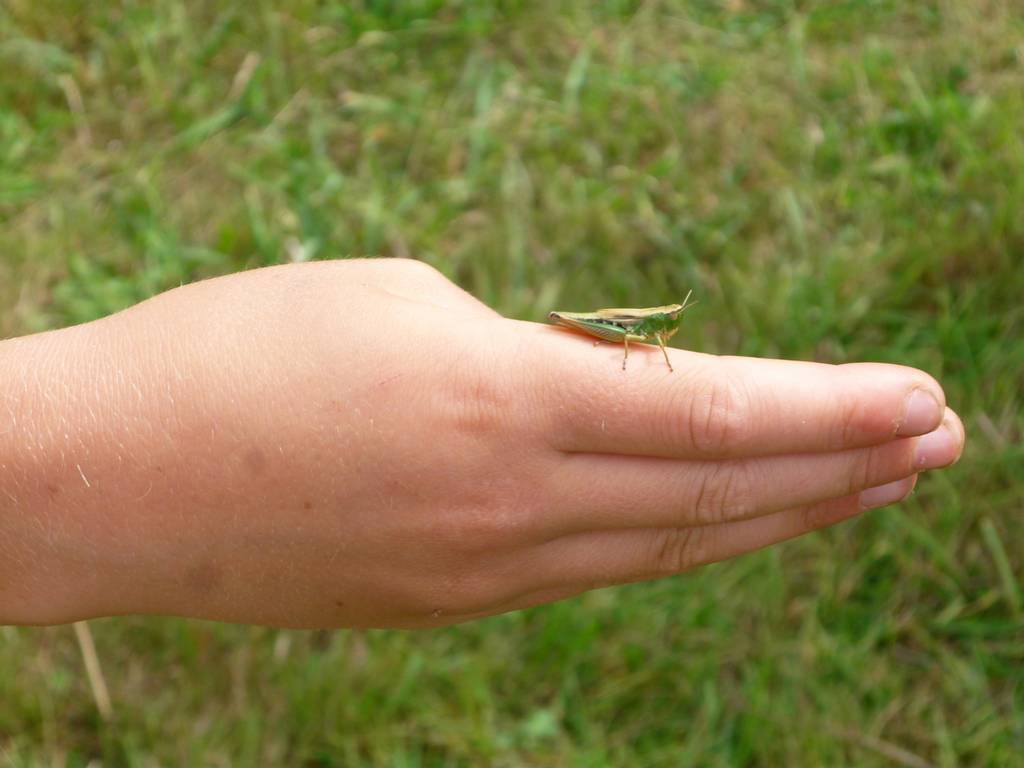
[837, 181]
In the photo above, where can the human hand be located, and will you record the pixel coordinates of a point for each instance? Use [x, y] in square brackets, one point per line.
[361, 443]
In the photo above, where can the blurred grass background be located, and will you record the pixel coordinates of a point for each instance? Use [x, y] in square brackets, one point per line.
[836, 180]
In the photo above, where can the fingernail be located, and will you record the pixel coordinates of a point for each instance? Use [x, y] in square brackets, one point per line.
[937, 449]
[883, 495]
[921, 413]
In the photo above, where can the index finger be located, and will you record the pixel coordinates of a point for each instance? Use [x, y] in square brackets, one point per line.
[725, 407]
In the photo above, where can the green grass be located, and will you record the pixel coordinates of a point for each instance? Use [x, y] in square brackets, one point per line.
[836, 180]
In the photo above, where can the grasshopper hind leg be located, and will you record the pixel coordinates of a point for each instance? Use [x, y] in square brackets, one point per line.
[625, 357]
[661, 343]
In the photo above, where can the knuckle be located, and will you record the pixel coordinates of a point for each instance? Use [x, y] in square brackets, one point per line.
[463, 589]
[864, 472]
[816, 516]
[497, 511]
[415, 268]
[724, 493]
[881, 464]
[479, 405]
[810, 516]
[850, 424]
[859, 422]
[719, 416]
[674, 550]
[499, 525]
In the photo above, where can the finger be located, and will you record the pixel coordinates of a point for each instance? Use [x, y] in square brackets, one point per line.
[601, 558]
[600, 491]
[724, 407]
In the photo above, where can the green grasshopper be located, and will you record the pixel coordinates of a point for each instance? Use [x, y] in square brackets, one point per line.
[626, 325]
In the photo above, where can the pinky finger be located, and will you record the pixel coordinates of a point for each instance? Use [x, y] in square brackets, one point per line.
[583, 561]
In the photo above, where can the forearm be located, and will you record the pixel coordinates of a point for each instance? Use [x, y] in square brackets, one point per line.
[142, 454]
[111, 462]
[81, 448]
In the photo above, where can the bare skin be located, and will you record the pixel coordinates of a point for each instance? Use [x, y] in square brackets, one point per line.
[362, 443]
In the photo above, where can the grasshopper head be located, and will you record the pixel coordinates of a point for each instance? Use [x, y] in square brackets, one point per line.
[679, 308]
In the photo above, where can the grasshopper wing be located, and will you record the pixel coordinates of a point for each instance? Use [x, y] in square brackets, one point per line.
[635, 315]
[591, 323]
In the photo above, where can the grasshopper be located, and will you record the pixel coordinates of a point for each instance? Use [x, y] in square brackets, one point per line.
[626, 325]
